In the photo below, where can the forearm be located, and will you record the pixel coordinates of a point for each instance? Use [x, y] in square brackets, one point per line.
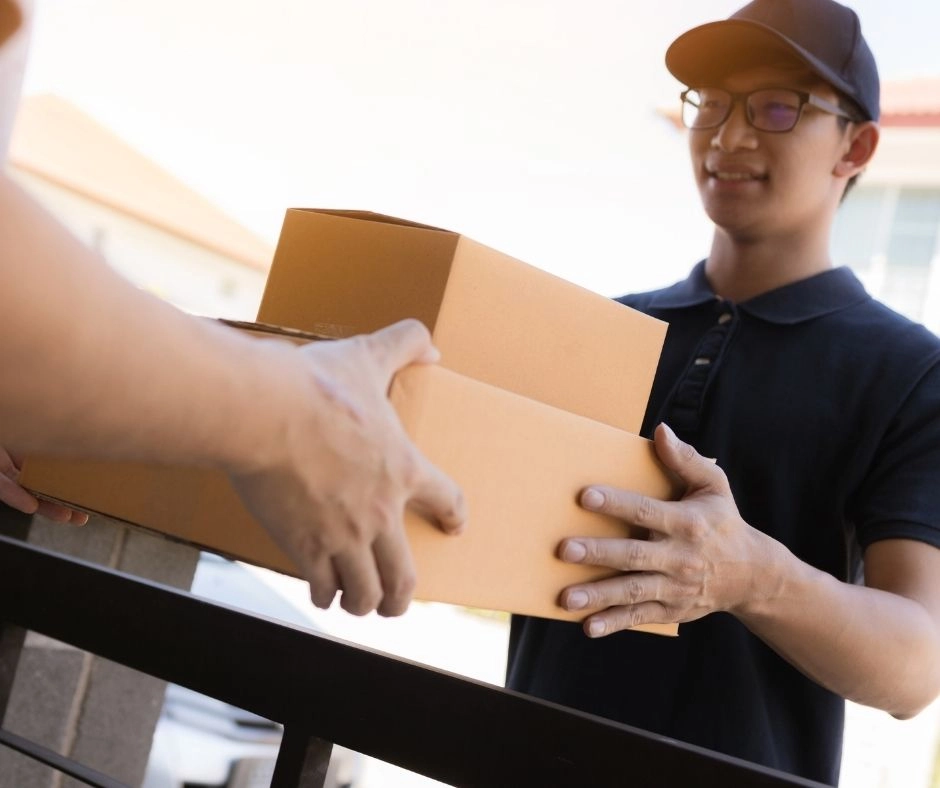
[868, 645]
[92, 365]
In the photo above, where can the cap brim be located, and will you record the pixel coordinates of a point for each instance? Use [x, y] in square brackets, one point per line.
[711, 52]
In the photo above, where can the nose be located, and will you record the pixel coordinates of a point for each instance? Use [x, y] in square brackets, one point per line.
[735, 133]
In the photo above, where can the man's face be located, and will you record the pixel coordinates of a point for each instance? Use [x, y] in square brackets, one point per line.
[756, 184]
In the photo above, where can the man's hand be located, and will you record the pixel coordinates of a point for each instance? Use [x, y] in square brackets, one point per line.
[12, 494]
[334, 480]
[700, 557]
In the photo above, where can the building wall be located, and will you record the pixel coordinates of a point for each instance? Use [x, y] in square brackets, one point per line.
[888, 229]
[184, 273]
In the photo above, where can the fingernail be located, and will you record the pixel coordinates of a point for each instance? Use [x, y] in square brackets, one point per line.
[596, 629]
[576, 600]
[573, 551]
[673, 438]
[592, 499]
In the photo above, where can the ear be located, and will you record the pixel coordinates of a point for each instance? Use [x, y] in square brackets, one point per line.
[861, 142]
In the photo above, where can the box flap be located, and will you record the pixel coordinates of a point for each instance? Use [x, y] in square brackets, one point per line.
[370, 216]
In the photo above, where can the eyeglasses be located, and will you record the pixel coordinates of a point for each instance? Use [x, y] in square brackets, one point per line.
[775, 110]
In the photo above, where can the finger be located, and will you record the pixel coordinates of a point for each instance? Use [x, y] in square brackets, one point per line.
[321, 576]
[683, 460]
[400, 344]
[16, 497]
[54, 511]
[631, 507]
[396, 570]
[78, 518]
[632, 588]
[626, 555]
[436, 496]
[618, 619]
[359, 581]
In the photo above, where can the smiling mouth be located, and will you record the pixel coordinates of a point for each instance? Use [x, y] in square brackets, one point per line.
[722, 175]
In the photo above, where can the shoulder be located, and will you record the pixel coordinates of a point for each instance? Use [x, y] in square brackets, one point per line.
[692, 291]
[893, 340]
[639, 301]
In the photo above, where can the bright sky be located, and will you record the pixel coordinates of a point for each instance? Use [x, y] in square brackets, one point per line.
[528, 125]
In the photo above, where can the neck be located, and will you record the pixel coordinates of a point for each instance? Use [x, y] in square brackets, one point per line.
[741, 269]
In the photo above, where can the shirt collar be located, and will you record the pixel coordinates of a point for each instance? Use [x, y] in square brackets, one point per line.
[815, 296]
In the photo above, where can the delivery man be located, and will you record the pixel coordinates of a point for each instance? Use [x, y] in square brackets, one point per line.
[803, 564]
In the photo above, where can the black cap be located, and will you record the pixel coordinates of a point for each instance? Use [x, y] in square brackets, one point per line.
[825, 35]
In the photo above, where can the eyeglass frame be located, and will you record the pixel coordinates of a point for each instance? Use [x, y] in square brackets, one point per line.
[805, 98]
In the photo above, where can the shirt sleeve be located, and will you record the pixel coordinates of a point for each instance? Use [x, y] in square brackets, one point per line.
[900, 498]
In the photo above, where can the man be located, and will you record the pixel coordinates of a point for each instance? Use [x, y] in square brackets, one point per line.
[802, 562]
[91, 366]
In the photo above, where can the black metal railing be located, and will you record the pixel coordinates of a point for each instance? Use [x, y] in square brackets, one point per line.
[453, 729]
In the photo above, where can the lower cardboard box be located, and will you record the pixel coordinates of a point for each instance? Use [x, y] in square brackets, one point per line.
[521, 465]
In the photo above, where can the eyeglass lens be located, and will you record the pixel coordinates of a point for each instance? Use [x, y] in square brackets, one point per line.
[770, 109]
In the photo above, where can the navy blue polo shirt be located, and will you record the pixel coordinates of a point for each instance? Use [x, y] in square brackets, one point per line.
[823, 408]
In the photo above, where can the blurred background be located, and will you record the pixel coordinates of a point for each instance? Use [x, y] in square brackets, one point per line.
[172, 137]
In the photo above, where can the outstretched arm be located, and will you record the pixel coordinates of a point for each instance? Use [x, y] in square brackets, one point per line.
[92, 366]
[877, 644]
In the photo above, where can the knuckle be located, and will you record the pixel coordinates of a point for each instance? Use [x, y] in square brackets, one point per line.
[689, 567]
[633, 617]
[385, 520]
[410, 469]
[633, 590]
[358, 530]
[312, 543]
[645, 511]
[401, 587]
[632, 551]
[360, 344]
[686, 451]
[695, 527]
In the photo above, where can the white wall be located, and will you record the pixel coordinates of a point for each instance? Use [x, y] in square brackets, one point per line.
[184, 273]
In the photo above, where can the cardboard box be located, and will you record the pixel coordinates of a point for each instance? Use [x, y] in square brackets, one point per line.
[544, 385]
[494, 318]
[521, 464]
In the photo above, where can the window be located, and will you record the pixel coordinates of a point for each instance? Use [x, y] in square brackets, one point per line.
[891, 237]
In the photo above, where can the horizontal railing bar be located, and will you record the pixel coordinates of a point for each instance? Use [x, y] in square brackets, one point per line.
[450, 728]
[59, 762]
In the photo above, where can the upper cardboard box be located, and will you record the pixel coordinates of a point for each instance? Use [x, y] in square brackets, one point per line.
[494, 318]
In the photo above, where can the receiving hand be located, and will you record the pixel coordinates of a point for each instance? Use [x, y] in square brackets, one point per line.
[19, 498]
[340, 470]
[700, 557]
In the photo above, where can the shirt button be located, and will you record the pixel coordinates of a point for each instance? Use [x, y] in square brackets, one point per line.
[724, 318]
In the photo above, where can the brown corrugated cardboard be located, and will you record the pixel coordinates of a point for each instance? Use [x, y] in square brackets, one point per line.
[521, 464]
[494, 318]
[541, 387]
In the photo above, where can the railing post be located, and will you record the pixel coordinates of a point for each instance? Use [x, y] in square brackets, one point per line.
[302, 761]
[12, 638]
